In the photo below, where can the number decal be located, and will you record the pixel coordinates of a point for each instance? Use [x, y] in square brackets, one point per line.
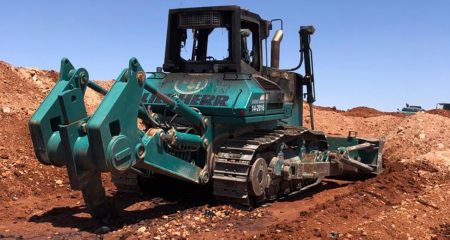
[258, 108]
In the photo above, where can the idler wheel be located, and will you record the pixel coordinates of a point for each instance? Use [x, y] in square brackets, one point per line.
[258, 177]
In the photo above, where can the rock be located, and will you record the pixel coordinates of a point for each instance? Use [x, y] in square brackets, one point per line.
[156, 237]
[59, 182]
[165, 217]
[6, 110]
[15, 198]
[422, 136]
[176, 223]
[210, 214]
[141, 229]
[440, 145]
[219, 214]
[334, 235]
[4, 156]
[102, 230]
[161, 230]
[422, 173]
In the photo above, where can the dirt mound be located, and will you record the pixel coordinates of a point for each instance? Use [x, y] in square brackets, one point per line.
[417, 135]
[338, 123]
[363, 112]
[22, 90]
[408, 137]
[92, 99]
[339, 217]
[320, 108]
[440, 112]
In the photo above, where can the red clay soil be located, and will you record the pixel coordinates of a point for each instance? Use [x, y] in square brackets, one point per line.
[440, 112]
[320, 108]
[366, 112]
[363, 112]
[409, 200]
[21, 174]
[367, 204]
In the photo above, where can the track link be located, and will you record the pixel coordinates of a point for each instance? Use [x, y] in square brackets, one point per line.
[235, 158]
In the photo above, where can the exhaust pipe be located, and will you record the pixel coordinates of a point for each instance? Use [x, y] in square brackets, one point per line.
[275, 51]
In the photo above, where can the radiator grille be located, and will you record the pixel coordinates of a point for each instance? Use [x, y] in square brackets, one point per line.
[187, 20]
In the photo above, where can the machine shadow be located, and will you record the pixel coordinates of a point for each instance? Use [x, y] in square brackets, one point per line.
[160, 197]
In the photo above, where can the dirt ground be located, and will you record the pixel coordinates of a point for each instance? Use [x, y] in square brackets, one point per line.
[409, 200]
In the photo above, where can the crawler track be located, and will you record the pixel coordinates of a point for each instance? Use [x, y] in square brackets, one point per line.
[235, 159]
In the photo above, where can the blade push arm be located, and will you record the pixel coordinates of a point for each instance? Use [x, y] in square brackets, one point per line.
[117, 143]
[113, 134]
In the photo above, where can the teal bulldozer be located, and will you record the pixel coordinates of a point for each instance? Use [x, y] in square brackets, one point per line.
[209, 116]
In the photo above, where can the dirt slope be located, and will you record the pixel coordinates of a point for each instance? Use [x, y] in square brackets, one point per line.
[409, 200]
[22, 90]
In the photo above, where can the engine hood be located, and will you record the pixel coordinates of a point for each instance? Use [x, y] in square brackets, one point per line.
[220, 94]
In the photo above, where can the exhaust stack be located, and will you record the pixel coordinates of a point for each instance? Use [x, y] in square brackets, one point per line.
[275, 49]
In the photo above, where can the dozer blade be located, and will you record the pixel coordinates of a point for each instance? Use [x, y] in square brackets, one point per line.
[357, 156]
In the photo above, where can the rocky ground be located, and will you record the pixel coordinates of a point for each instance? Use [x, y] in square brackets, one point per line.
[409, 200]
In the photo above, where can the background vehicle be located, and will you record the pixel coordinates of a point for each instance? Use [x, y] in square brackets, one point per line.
[443, 106]
[411, 109]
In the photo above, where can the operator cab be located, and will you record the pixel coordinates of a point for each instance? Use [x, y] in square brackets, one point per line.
[214, 40]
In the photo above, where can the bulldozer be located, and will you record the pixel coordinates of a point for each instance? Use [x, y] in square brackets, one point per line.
[228, 121]
[410, 109]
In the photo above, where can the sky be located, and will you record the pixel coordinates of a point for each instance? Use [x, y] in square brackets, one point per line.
[380, 54]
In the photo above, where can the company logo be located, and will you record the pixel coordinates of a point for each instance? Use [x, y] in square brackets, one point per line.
[190, 86]
[191, 99]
